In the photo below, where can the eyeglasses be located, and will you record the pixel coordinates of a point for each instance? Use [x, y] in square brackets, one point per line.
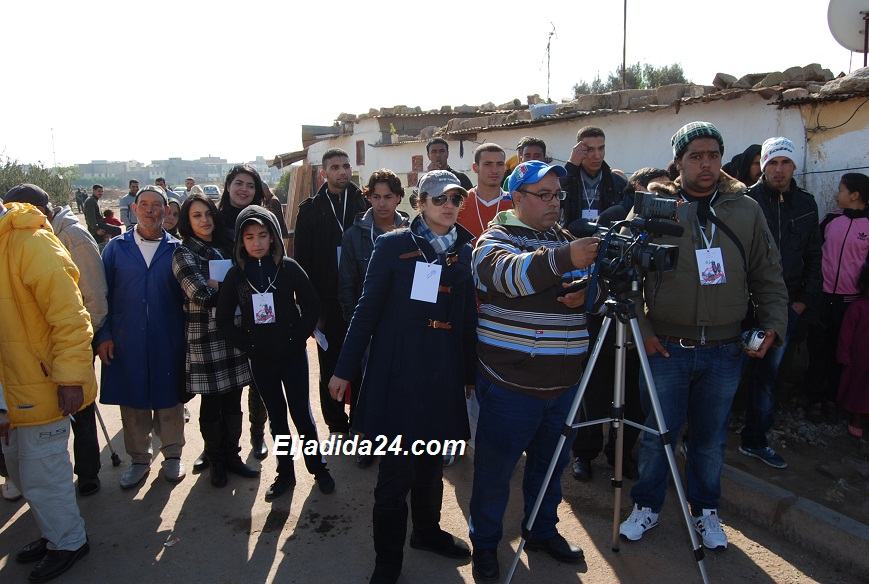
[458, 200]
[560, 195]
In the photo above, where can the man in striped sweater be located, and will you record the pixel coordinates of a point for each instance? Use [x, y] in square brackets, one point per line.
[531, 342]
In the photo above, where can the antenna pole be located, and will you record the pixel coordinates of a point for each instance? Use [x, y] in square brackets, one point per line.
[53, 152]
[865, 36]
[625, 48]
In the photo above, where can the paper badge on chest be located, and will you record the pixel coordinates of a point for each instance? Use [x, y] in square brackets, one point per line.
[263, 308]
[710, 265]
[426, 279]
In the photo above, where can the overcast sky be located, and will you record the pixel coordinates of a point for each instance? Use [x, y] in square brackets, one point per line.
[188, 78]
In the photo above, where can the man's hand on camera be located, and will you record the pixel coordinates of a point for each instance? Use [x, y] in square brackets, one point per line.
[767, 343]
[572, 299]
[584, 251]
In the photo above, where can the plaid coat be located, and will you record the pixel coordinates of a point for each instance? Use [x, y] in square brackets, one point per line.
[213, 365]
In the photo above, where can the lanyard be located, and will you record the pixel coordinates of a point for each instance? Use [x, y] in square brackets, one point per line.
[343, 215]
[707, 242]
[477, 207]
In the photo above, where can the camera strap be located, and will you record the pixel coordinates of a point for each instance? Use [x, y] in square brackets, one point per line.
[729, 233]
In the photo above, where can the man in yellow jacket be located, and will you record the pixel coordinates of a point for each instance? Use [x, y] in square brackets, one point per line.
[46, 372]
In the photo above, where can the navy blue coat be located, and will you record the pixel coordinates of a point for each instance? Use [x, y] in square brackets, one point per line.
[415, 379]
[146, 324]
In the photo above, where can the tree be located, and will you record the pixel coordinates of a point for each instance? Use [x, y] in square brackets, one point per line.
[638, 76]
[57, 182]
[283, 187]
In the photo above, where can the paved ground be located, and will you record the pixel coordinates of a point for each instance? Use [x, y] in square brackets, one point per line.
[233, 535]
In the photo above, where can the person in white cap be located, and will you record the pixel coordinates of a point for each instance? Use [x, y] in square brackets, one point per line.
[792, 216]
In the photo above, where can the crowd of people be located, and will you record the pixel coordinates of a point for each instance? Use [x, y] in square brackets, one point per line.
[487, 299]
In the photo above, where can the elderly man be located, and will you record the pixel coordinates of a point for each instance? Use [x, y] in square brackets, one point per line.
[85, 255]
[46, 371]
[691, 326]
[522, 264]
[142, 344]
[792, 216]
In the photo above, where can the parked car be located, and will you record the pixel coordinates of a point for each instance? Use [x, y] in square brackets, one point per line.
[211, 191]
[180, 191]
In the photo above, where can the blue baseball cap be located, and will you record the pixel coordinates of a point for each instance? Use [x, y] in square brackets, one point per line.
[531, 172]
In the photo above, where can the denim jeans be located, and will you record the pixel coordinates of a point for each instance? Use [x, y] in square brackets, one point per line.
[698, 383]
[760, 376]
[511, 423]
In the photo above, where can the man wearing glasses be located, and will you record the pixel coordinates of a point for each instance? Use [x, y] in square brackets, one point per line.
[531, 339]
[590, 184]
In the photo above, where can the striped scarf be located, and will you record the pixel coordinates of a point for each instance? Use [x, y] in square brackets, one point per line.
[441, 243]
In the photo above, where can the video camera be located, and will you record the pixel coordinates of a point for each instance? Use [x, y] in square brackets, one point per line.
[624, 259]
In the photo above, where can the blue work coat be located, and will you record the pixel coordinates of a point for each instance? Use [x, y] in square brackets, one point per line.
[146, 324]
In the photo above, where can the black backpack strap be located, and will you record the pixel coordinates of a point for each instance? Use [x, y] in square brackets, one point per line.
[729, 233]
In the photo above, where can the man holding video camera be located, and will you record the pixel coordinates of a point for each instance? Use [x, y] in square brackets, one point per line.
[690, 320]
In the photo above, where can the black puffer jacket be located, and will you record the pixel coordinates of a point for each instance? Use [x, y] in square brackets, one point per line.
[612, 187]
[792, 218]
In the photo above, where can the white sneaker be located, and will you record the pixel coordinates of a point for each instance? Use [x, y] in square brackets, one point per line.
[708, 525]
[10, 491]
[134, 475]
[641, 520]
[174, 470]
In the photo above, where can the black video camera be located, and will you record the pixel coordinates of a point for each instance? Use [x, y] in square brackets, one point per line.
[624, 259]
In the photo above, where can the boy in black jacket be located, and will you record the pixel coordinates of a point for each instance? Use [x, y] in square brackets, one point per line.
[271, 289]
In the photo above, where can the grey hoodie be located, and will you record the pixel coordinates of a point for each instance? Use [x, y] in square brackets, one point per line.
[85, 255]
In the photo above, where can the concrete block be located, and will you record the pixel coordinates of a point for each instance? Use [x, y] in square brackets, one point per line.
[667, 94]
[642, 101]
[345, 117]
[795, 93]
[465, 109]
[535, 99]
[771, 80]
[857, 81]
[487, 107]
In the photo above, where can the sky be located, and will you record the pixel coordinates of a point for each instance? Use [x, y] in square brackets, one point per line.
[107, 80]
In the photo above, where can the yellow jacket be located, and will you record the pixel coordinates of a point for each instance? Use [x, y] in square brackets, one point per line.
[45, 331]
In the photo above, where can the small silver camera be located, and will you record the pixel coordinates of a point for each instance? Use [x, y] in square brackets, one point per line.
[753, 339]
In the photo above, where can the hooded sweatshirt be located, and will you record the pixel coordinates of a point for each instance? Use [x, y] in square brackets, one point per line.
[274, 274]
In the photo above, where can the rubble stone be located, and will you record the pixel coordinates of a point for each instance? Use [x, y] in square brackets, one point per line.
[487, 107]
[465, 109]
[770, 80]
[535, 99]
[518, 115]
[667, 94]
[795, 93]
[510, 105]
[345, 117]
[723, 81]
[642, 101]
[446, 109]
[855, 82]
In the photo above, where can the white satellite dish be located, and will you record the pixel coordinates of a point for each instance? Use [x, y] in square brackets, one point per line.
[846, 19]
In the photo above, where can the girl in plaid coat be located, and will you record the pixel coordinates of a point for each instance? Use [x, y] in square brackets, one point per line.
[215, 369]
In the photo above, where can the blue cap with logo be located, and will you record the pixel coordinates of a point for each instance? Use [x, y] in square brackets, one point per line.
[531, 172]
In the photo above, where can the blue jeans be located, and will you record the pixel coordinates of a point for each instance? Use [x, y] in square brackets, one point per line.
[511, 423]
[760, 376]
[698, 383]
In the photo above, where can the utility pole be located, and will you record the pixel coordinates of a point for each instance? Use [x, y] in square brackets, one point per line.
[625, 47]
[548, 52]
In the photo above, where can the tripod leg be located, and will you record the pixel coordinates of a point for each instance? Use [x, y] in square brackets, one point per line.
[668, 450]
[617, 417]
[565, 432]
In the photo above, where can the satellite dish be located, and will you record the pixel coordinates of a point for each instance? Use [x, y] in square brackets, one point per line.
[846, 21]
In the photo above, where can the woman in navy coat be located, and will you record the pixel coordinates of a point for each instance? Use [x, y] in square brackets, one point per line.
[419, 314]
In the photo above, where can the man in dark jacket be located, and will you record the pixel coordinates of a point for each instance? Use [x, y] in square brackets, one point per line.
[792, 216]
[590, 184]
[438, 152]
[320, 225]
[101, 231]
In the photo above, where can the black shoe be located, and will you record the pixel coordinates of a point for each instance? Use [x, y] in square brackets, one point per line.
[385, 574]
[364, 460]
[89, 487]
[280, 486]
[56, 562]
[485, 565]
[559, 548]
[258, 445]
[582, 470]
[441, 543]
[201, 463]
[237, 466]
[33, 551]
[218, 475]
[325, 482]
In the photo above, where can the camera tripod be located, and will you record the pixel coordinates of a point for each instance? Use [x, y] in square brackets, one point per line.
[620, 309]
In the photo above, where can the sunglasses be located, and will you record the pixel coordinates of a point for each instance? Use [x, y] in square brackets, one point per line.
[439, 201]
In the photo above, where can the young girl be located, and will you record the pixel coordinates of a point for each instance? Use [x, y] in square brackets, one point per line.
[853, 353]
[279, 309]
[845, 249]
